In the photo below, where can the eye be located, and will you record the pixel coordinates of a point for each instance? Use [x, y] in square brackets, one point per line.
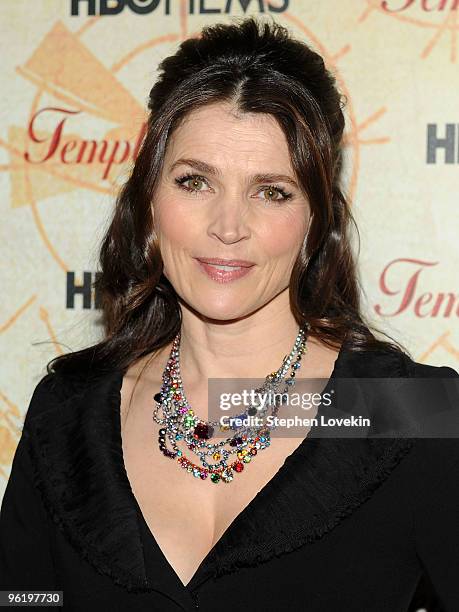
[271, 190]
[196, 181]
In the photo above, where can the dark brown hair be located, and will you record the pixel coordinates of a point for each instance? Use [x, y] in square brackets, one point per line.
[259, 68]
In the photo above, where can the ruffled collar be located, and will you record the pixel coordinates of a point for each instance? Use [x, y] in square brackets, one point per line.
[80, 472]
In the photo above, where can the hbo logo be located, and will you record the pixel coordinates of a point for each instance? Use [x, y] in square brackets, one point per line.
[114, 7]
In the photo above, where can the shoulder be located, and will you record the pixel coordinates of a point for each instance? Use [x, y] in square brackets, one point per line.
[65, 386]
[437, 452]
[426, 370]
[435, 390]
[406, 397]
[45, 396]
[386, 362]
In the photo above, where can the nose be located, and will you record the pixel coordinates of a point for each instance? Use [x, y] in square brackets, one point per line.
[228, 219]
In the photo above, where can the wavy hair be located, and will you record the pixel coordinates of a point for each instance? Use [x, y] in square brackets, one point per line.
[258, 67]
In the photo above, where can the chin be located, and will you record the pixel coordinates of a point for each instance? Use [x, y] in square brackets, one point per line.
[220, 312]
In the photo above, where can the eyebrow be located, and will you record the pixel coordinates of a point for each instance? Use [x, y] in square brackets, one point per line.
[202, 166]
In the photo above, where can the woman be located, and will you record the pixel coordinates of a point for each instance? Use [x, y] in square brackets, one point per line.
[229, 250]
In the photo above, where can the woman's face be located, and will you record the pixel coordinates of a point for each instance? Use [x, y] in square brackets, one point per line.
[210, 204]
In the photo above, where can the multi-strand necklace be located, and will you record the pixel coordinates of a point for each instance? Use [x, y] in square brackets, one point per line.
[181, 425]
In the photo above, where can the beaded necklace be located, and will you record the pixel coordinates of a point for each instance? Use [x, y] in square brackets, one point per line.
[181, 424]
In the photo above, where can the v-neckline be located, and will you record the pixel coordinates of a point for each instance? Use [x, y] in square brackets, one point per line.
[204, 569]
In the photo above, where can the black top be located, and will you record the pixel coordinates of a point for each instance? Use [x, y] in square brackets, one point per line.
[348, 525]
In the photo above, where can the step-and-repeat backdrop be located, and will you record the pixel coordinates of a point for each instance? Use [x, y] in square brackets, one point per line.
[75, 78]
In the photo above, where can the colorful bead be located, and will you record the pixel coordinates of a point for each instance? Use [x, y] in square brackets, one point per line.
[227, 475]
[189, 422]
[203, 431]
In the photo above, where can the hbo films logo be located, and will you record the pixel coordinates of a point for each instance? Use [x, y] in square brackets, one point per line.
[143, 7]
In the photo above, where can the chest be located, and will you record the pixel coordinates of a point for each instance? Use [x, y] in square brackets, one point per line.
[187, 516]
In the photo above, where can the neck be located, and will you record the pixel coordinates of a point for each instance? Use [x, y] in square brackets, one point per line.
[247, 348]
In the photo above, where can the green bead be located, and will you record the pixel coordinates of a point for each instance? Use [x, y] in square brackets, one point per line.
[215, 478]
[189, 421]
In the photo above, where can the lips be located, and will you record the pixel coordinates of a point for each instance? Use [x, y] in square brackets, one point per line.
[233, 269]
[235, 263]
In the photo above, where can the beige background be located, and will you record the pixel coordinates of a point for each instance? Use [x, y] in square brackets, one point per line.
[399, 71]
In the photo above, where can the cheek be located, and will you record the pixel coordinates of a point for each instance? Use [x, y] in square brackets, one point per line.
[283, 239]
[171, 228]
